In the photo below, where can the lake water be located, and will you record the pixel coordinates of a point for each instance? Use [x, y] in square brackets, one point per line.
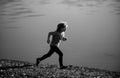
[93, 32]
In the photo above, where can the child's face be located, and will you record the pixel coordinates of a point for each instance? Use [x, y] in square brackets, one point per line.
[63, 29]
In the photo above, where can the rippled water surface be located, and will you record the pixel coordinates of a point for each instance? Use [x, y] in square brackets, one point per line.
[93, 32]
[16, 9]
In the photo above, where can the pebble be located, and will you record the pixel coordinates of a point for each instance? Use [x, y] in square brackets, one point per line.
[52, 71]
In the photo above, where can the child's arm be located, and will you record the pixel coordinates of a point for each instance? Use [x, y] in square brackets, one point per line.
[48, 39]
[63, 37]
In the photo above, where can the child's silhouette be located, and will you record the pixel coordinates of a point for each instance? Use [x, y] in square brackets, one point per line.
[57, 36]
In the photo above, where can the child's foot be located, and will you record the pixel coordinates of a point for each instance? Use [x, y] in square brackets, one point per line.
[63, 67]
[37, 62]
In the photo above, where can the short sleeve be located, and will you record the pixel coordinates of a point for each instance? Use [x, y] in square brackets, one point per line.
[63, 34]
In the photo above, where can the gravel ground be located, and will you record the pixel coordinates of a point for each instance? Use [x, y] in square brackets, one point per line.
[20, 69]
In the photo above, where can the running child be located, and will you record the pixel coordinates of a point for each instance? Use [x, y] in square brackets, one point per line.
[57, 36]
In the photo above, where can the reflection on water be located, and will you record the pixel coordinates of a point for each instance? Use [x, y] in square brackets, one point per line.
[14, 9]
[4, 2]
[113, 4]
[80, 2]
[44, 2]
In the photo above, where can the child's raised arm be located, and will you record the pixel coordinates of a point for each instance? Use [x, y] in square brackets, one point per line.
[63, 37]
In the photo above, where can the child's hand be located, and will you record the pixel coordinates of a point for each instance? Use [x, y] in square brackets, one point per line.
[64, 39]
[48, 41]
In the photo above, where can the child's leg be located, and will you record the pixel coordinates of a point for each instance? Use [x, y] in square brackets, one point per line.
[59, 52]
[60, 58]
[51, 51]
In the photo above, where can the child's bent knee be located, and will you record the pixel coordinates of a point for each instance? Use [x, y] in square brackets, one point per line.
[61, 54]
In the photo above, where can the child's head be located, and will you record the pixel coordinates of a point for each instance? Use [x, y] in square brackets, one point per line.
[61, 27]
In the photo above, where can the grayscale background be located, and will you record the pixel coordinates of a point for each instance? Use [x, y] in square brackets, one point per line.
[93, 31]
